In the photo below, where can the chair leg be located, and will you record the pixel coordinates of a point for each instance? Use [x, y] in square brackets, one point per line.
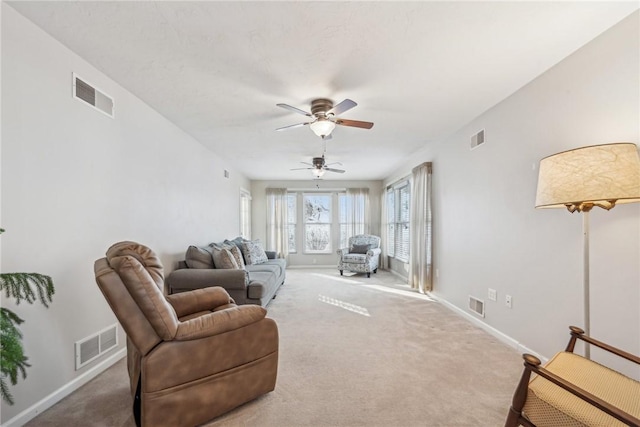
[375, 271]
[341, 272]
[369, 274]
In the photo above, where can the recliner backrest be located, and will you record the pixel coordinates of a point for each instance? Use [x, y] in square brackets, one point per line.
[141, 272]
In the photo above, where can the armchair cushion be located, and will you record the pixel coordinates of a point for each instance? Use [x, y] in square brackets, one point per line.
[219, 322]
[360, 249]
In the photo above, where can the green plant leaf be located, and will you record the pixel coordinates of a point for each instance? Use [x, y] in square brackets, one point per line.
[19, 286]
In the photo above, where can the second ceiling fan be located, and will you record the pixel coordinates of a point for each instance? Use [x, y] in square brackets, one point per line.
[324, 115]
[319, 167]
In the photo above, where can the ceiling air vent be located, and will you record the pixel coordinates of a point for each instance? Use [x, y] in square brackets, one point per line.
[476, 305]
[477, 139]
[88, 94]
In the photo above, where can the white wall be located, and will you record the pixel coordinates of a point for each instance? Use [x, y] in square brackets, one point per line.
[259, 213]
[487, 232]
[75, 181]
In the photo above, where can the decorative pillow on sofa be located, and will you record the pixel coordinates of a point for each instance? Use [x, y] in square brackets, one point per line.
[253, 252]
[198, 258]
[360, 249]
[223, 258]
[238, 241]
[237, 255]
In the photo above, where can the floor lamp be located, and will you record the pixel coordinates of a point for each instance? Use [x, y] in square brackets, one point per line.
[598, 175]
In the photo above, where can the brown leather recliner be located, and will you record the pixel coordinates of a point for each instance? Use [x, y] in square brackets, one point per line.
[191, 356]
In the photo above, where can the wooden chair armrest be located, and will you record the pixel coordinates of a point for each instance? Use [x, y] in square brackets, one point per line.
[577, 333]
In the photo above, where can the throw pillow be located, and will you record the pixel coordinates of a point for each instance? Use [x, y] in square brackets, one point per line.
[238, 241]
[223, 259]
[360, 249]
[237, 255]
[253, 252]
[198, 258]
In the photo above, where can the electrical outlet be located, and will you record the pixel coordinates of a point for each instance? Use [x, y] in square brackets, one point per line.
[507, 301]
[493, 295]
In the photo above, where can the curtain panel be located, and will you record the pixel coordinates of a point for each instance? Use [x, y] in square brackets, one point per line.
[384, 227]
[358, 217]
[277, 222]
[420, 260]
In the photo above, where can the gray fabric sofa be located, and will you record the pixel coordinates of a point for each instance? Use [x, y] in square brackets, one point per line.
[256, 284]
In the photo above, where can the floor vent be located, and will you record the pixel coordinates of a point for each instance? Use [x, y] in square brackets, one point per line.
[92, 347]
[88, 94]
[477, 139]
[476, 305]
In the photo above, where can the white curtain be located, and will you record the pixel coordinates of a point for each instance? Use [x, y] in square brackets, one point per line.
[358, 217]
[384, 227]
[277, 236]
[420, 260]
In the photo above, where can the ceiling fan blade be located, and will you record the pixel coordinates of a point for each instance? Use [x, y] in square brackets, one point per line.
[345, 105]
[307, 163]
[297, 125]
[294, 109]
[334, 163]
[354, 123]
[334, 170]
[300, 169]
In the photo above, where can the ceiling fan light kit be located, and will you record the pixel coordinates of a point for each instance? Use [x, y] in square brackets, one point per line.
[322, 127]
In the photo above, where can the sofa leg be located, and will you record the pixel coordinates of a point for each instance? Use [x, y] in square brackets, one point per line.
[375, 271]
[341, 272]
[369, 274]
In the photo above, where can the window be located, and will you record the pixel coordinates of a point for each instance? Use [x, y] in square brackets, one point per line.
[398, 205]
[292, 215]
[317, 223]
[245, 214]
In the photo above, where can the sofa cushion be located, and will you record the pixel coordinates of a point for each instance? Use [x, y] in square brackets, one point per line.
[360, 249]
[237, 255]
[238, 241]
[275, 266]
[198, 258]
[223, 258]
[253, 252]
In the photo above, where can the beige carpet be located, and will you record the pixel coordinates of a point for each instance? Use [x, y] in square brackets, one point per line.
[353, 352]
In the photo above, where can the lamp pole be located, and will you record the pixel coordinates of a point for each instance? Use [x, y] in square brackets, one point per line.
[585, 276]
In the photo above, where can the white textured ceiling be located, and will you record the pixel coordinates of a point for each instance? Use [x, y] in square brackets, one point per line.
[418, 70]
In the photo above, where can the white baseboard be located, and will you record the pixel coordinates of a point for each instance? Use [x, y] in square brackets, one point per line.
[50, 400]
[490, 329]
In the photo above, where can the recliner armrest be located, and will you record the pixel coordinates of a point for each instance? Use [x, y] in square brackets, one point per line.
[206, 299]
[219, 322]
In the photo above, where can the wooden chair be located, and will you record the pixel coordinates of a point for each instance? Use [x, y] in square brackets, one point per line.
[571, 390]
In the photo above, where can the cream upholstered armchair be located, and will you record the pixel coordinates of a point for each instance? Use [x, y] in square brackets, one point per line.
[191, 356]
[571, 390]
[362, 255]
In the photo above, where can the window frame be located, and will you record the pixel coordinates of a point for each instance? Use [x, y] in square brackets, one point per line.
[329, 223]
[292, 221]
[399, 221]
[245, 214]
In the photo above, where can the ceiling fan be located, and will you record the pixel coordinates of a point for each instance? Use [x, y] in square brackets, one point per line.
[319, 167]
[323, 114]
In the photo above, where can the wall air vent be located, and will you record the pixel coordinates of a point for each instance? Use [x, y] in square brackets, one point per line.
[476, 305]
[88, 94]
[477, 139]
[92, 347]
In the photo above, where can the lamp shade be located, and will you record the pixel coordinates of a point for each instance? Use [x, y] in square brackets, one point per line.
[598, 175]
[322, 127]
